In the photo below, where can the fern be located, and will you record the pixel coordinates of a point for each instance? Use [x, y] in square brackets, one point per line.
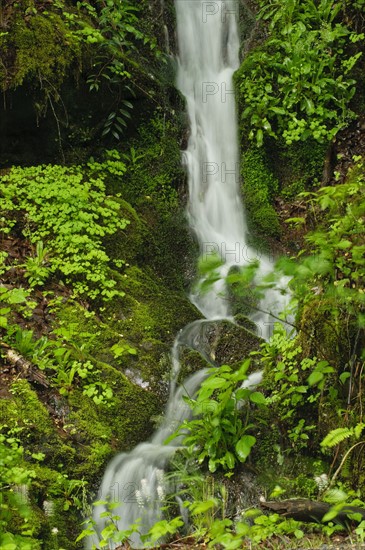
[335, 437]
[358, 429]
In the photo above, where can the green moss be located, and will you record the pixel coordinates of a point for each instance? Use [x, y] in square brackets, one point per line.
[323, 329]
[149, 309]
[233, 343]
[127, 422]
[149, 316]
[53, 476]
[154, 168]
[158, 234]
[38, 433]
[171, 250]
[96, 433]
[102, 431]
[298, 167]
[39, 48]
[128, 245]
[260, 186]
[191, 361]
[146, 319]
[243, 321]
[223, 343]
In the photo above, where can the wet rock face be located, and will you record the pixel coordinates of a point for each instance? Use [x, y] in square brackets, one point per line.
[244, 491]
[230, 343]
[207, 343]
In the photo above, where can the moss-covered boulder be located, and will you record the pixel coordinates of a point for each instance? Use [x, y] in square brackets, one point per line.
[230, 343]
[216, 343]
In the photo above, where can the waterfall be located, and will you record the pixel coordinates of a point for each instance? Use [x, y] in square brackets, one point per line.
[208, 56]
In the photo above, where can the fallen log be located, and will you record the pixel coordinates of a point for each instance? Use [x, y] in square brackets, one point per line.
[25, 368]
[313, 511]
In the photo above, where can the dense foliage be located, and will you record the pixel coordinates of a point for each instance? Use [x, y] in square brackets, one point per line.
[64, 212]
[91, 257]
[299, 83]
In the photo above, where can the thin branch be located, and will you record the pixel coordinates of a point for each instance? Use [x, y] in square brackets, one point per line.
[26, 368]
[343, 462]
[352, 363]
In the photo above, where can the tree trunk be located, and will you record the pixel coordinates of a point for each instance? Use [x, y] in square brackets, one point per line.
[310, 510]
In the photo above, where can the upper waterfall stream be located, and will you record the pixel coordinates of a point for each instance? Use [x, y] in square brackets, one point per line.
[208, 43]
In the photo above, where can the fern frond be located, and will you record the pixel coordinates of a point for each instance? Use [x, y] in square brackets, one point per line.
[335, 437]
[358, 429]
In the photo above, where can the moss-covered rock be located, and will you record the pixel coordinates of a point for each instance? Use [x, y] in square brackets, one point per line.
[50, 456]
[39, 47]
[219, 342]
[191, 361]
[27, 412]
[148, 309]
[158, 234]
[101, 430]
[229, 343]
[141, 327]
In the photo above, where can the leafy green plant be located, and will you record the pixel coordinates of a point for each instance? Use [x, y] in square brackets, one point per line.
[337, 436]
[298, 84]
[110, 533]
[122, 348]
[341, 498]
[71, 491]
[265, 527]
[100, 392]
[14, 473]
[14, 299]
[64, 360]
[294, 383]
[335, 266]
[116, 120]
[71, 342]
[162, 529]
[66, 209]
[37, 267]
[204, 496]
[219, 431]
[66, 373]
[69, 374]
[118, 35]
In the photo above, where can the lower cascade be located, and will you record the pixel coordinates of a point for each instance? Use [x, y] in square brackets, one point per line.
[208, 56]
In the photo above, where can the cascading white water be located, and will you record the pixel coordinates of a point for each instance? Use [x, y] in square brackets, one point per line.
[208, 56]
